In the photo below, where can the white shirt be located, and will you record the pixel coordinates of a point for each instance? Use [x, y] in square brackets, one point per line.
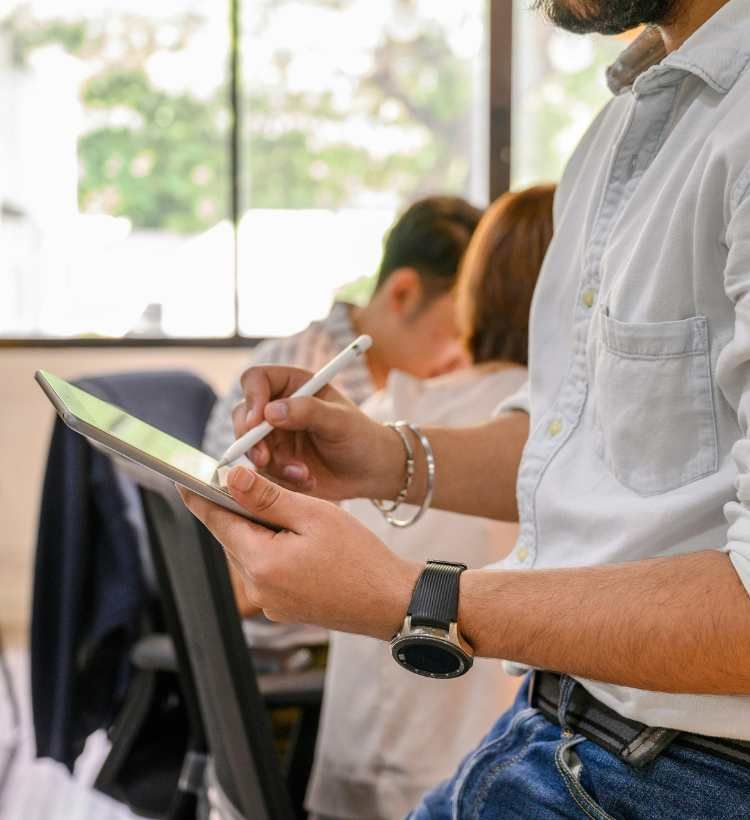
[640, 343]
[386, 735]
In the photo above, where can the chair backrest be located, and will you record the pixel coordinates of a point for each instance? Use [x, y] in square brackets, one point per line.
[91, 590]
[235, 719]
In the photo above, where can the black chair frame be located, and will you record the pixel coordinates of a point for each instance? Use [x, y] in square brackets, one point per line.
[213, 659]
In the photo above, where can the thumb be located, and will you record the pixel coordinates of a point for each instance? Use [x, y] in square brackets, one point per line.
[327, 419]
[268, 501]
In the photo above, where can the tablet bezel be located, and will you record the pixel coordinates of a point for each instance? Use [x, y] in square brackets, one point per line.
[141, 466]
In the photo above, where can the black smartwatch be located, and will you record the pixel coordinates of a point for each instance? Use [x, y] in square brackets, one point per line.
[429, 642]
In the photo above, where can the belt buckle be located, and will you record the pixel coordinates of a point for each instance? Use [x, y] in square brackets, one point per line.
[647, 746]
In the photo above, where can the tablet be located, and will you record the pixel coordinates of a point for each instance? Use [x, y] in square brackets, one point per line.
[144, 451]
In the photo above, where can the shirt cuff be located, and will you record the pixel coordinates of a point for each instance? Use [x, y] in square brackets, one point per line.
[741, 563]
[737, 514]
[518, 401]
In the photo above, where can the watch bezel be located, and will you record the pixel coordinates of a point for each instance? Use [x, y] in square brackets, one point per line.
[450, 641]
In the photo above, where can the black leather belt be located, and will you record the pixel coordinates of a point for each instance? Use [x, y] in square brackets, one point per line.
[634, 742]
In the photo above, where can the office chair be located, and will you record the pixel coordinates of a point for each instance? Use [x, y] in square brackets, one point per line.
[93, 597]
[210, 651]
[159, 737]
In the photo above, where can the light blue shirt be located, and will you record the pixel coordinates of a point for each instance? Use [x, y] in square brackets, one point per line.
[639, 387]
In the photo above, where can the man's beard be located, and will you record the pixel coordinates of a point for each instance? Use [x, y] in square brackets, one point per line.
[605, 16]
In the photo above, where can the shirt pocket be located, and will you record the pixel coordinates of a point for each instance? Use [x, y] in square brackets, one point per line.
[654, 411]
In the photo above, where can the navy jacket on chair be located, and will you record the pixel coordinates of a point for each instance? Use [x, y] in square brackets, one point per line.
[90, 596]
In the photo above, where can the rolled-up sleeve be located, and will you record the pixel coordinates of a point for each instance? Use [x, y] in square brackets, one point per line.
[733, 373]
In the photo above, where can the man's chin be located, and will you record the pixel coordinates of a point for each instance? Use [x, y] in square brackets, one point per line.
[604, 16]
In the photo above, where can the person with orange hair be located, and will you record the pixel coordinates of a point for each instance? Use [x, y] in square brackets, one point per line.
[375, 719]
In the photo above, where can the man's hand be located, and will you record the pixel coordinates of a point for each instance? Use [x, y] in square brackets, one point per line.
[326, 446]
[324, 568]
[676, 624]
[322, 445]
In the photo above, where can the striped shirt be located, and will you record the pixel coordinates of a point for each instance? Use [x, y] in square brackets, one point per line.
[310, 349]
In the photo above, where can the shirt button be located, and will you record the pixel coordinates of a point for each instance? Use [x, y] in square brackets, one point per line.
[522, 554]
[554, 428]
[587, 298]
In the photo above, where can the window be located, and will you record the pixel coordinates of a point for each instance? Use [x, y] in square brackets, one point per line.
[559, 86]
[178, 169]
[116, 217]
[114, 173]
[351, 110]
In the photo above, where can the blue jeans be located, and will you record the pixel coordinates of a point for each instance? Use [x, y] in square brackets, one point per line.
[527, 768]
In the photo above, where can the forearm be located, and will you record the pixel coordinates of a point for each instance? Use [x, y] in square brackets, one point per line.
[678, 624]
[476, 467]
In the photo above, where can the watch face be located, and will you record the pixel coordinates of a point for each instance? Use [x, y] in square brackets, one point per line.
[434, 659]
[430, 656]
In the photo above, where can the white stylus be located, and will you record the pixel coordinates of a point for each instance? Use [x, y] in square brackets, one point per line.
[323, 377]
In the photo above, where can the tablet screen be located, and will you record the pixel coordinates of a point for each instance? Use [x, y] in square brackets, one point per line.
[130, 430]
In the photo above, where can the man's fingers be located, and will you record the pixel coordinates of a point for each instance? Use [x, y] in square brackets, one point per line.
[269, 501]
[264, 383]
[227, 527]
[239, 418]
[310, 414]
[260, 455]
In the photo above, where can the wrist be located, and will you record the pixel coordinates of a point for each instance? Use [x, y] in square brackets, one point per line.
[404, 579]
[430, 642]
[388, 476]
[472, 599]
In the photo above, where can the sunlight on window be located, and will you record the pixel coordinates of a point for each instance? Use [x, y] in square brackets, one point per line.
[115, 171]
[353, 111]
[293, 262]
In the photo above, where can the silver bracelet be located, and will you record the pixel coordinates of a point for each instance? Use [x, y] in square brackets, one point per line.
[430, 488]
[387, 507]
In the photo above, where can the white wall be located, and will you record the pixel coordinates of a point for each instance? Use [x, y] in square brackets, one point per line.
[25, 424]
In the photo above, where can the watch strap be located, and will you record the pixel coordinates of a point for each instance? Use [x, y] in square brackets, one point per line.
[434, 601]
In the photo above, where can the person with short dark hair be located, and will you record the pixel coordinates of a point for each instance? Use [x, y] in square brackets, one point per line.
[410, 316]
[431, 236]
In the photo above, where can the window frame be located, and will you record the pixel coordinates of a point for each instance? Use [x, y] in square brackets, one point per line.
[500, 41]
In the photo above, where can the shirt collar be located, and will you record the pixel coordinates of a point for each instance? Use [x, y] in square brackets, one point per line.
[718, 52]
[339, 325]
[342, 332]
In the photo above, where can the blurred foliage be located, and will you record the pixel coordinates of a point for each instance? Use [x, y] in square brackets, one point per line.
[159, 158]
[168, 170]
[162, 159]
[559, 104]
[359, 291]
[420, 78]
[27, 36]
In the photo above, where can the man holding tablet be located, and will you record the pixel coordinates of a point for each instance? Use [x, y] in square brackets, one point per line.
[626, 460]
